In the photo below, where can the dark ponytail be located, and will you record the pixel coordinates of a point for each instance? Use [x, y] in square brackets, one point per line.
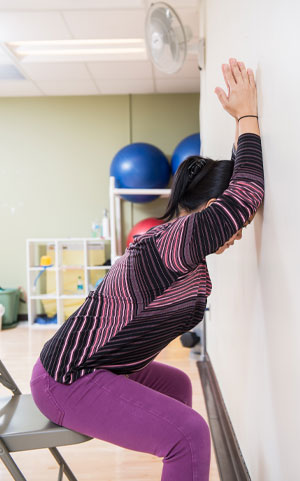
[197, 180]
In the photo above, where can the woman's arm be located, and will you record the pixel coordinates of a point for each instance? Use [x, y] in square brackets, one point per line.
[237, 72]
[191, 238]
[188, 240]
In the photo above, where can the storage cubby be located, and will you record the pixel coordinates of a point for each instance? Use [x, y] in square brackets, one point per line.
[76, 266]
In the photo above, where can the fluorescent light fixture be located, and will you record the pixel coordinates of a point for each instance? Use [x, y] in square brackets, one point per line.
[83, 51]
[79, 50]
[72, 42]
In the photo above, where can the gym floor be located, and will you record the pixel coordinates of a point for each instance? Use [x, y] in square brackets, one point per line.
[94, 460]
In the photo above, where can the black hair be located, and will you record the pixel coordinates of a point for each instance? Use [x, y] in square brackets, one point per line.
[197, 180]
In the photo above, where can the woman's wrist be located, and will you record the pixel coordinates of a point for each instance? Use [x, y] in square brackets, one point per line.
[248, 125]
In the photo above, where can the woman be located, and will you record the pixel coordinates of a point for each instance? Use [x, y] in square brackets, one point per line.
[97, 374]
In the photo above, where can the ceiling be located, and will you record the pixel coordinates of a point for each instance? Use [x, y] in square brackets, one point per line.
[32, 20]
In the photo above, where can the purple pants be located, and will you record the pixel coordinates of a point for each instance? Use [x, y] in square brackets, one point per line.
[150, 411]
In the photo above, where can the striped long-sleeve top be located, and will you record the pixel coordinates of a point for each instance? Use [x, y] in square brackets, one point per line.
[158, 289]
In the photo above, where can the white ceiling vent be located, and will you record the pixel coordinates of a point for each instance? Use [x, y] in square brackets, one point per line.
[10, 72]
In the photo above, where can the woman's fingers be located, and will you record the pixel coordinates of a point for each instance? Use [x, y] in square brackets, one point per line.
[235, 70]
[251, 77]
[222, 96]
[241, 86]
[243, 71]
[224, 75]
[228, 76]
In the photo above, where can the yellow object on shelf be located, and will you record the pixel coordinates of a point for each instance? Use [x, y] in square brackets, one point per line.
[45, 261]
[49, 306]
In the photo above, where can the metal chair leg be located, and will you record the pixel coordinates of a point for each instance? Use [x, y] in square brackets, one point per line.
[60, 473]
[10, 464]
[63, 465]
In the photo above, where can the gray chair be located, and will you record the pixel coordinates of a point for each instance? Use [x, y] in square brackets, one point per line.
[24, 428]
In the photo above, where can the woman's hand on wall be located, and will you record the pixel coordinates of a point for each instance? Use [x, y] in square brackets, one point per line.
[241, 98]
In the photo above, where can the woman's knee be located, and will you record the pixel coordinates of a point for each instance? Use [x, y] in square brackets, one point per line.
[186, 388]
[192, 439]
[196, 428]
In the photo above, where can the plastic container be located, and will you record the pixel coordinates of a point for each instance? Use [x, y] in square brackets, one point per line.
[44, 319]
[80, 288]
[10, 298]
[96, 229]
[105, 225]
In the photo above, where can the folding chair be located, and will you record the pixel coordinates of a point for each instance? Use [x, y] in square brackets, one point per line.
[24, 428]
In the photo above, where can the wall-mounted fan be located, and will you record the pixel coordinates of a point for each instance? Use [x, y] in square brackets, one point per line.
[167, 39]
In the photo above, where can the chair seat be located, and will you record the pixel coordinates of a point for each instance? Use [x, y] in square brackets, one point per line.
[23, 427]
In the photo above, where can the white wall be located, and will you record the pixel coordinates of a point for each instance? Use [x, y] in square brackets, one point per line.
[254, 330]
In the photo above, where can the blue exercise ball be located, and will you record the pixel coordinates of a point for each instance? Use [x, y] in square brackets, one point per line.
[189, 146]
[140, 166]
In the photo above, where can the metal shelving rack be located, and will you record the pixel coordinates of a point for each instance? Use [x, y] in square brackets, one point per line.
[115, 212]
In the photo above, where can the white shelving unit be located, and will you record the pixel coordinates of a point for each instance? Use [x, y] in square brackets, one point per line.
[115, 212]
[56, 247]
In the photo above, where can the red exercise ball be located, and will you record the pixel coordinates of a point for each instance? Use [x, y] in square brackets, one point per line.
[142, 227]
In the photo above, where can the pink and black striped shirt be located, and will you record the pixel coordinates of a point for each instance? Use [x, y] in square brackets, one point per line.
[158, 289]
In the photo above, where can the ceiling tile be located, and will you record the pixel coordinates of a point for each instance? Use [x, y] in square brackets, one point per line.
[18, 88]
[4, 57]
[32, 26]
[69, 4]
[178, 3]
[133, 86]
[120, 70]
[106, 24]
[177, 85]
[10, 72]
[56, 71]
[71, 87]
[189, 69]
